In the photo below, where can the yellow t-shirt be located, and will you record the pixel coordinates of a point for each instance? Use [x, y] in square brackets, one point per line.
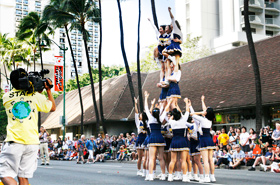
[223, 138]
[22, 112]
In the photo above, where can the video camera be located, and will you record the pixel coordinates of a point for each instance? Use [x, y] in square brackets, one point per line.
[34, 81]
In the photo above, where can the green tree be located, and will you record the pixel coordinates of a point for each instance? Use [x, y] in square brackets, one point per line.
[3, 52]
[31, 29]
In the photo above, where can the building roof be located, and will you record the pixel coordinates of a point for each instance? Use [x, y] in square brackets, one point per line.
[226, 79]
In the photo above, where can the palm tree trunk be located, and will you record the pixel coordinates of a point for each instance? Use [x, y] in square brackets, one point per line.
[0, 79]
[77, 79]
[91, 83]
[100, 70]
[154, 13]
[138, 61]
[130, 84]
[255, 67]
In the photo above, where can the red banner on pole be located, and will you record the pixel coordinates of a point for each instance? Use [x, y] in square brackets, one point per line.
[58, 78]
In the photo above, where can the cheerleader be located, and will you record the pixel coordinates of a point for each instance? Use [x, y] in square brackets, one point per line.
[194, 152]
[178, 144]
[174, 91]
[156, 141]
[140, 139]
[206, 145]
[161, 37]
[167, 135]
[163, 94]
[174, 48]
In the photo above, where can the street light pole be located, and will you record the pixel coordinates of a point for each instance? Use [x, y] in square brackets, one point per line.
[63, 117]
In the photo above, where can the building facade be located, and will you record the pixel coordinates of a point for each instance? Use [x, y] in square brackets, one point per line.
[221, 23]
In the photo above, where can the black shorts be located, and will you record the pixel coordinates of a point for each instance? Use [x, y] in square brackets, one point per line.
[246, 148]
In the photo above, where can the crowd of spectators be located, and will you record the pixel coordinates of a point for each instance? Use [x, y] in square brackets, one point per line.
[239, 147]
[94, 149]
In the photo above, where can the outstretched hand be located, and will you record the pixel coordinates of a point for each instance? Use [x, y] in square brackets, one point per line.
[202, 98]
[135, 99]
[153, 101]
[190, 103]
[169, 8]
[146, 94]
[186, 100]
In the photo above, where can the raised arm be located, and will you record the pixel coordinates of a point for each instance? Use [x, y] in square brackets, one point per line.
[203, 103]
[135, 105]
[154, 27]
[187, 113]
[146, 104]
[152, 104]
[170, 13]
[191, 108]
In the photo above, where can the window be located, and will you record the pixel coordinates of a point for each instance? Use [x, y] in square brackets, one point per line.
[79, 37]
[25, 7]
[74, 48]
[18, 17]
[25, 1]
[79, 43]
[80, 64]
[18, 6]
[37, 3]
[96, 29]
[90, 28]
[18, 12]
[79, 53]
[19, 1]
[74, 42]
[79, 48]
[73, 36]
[62, 34]
[61, 40]
[61, 29]
[38, 9]
[25, 12]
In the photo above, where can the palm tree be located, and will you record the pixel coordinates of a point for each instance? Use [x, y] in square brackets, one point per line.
[138, 60]
[130, 84]
[58, 17]
[100, 70]
[31, 29]
[14, 47]
[3, 52]
[83, 11]
[255, 67]
[154, 13]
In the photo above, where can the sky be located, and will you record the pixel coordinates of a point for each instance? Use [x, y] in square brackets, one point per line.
[111, 50]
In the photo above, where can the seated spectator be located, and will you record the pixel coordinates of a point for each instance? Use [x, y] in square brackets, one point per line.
[217, 154]
[264, 140]
[238, 158]
[74, 155]
[264, 159]
[224, 159]
[122, 153]
[215, 138]
[230, 131]
[252, 138]
[68, 154]
[276, 135]
[232, 139]
[223, 139]
[100, 153]
[52, 154]
[276, 155]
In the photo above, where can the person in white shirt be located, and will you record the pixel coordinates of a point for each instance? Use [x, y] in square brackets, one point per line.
[238, 158]
[174, 48]
[244, 140]
[156, 140]
[207, 145]
[232, 138]
[179, 144]
[140, 139]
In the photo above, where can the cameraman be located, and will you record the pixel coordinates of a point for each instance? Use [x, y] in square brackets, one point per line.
[43, 136]
[19, 152]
